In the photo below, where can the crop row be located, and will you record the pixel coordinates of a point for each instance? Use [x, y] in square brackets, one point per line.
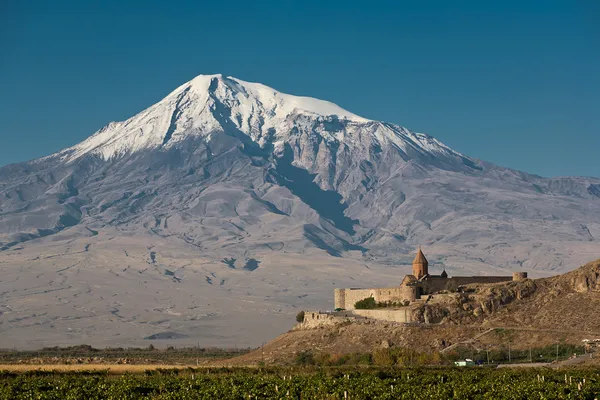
[467, 383]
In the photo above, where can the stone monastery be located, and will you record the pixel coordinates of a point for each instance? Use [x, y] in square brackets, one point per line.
[414, 286]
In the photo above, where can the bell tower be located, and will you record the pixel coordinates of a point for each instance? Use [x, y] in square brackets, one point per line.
[420, 265]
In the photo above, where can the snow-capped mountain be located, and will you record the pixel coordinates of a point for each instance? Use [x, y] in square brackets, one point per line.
[241, 190]
[213, 103]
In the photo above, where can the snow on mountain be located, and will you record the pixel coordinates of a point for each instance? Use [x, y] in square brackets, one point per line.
[349, 182]
[199, 107]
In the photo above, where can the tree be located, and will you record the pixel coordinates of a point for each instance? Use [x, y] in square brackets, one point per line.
[300, 317]
[365, 304]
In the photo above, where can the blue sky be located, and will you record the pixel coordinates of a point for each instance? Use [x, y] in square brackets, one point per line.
[516, 83]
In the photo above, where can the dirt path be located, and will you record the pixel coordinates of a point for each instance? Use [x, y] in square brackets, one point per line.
[573, 361]
[520, 328]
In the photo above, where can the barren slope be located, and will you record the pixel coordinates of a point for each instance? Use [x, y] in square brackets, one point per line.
[569, 301]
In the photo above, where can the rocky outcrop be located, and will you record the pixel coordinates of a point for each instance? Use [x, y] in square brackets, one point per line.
[586, 278]
[430, 314]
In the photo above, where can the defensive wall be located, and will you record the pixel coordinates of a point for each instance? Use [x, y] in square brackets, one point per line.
[315, 319]
[403, 314]
[346, 298]
[432, 284]
[519, 276]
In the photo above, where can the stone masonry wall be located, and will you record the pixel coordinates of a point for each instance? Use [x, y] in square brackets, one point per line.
[519, 276]
[466, 280]
[314, 319]
[403, 314]
[339, 298]
[435, 283]
[346, 298]
[317, 319]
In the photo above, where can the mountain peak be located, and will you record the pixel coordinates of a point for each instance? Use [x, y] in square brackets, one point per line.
[281, 103]
[197, 108]
[214, 104]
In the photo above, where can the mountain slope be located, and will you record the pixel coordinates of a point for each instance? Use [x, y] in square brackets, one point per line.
[238, 182]
[354, 180]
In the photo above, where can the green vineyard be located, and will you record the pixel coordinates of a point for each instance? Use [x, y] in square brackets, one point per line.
[222, 384]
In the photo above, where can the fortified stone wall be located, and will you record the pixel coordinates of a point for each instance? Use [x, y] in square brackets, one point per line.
[314, 319]
[519, 276]
[317, 319]
[436, 283]
[408, 293]
[433, 284]
[403, 315]
[466, 280]
[339, 298]
[346, 298]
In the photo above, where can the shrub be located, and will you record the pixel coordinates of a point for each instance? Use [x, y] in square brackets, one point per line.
[365, 304]
[305, 358]
[383, 357]
[300, 317]
[370, 303]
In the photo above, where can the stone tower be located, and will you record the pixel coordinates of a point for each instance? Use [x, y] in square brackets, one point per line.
[420, 265]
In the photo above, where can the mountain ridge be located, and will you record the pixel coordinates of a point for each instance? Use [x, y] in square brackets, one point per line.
[186, 203]
[202, 93]
[211, 115]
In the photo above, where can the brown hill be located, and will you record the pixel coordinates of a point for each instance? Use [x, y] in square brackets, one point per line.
[528, 314]
[564, 302]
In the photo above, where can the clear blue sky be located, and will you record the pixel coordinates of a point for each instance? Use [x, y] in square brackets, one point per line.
[516, 83]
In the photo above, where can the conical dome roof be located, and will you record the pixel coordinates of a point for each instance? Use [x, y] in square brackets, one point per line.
[420, 258]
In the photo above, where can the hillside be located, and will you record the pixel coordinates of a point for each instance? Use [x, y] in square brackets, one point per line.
[528, 314]
[569, 301]
[362, 338]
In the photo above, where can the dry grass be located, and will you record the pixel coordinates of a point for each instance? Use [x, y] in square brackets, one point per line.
[112, 368]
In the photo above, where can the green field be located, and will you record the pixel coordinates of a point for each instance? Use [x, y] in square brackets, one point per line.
[299, 383]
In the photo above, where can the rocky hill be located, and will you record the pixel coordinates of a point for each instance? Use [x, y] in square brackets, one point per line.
[560, 302]
[566, 301]
[228, 201]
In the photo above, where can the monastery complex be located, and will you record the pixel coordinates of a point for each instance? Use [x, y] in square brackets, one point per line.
[414, 286]
[397, 304]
